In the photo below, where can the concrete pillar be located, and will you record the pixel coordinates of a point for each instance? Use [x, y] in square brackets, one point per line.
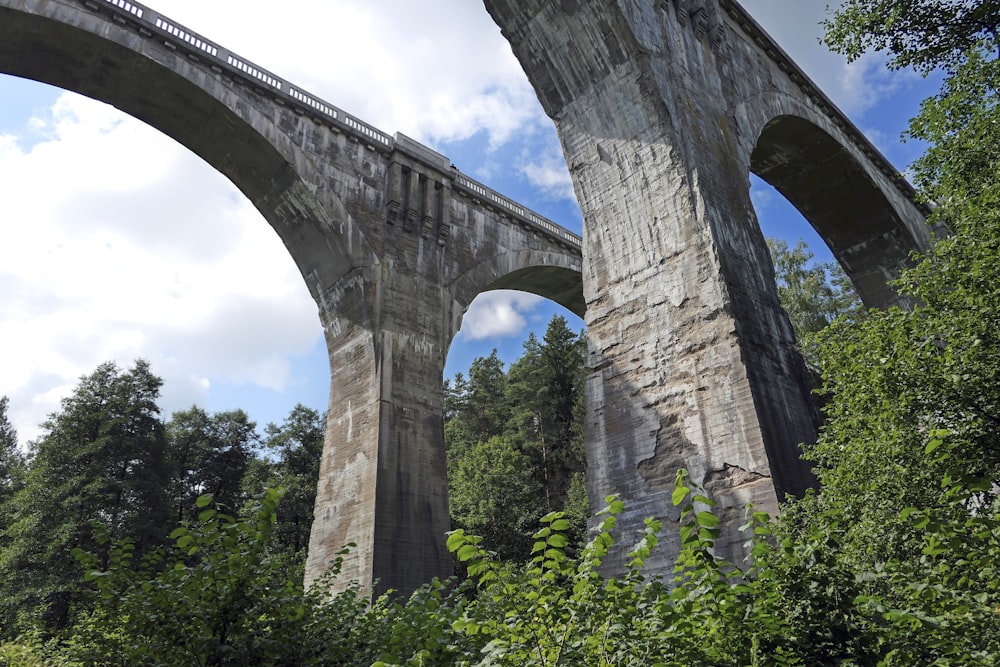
[383, 482]
[692, 361]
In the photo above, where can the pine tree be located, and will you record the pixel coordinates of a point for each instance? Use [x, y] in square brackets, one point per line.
[12, 461]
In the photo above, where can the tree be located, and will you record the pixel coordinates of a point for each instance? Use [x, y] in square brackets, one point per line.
[218, 595]
[534, 413]
[100, 461]
[293, 451]
[13, 467]
[898, 378]
[12, 461]
[926, 35]
[208, 454]
[813, 294]
[492, 493]
[486, 410]
[545, 392]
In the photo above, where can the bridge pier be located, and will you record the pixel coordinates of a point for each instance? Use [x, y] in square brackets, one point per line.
[383, 480]
[692, 360]
[659, 106]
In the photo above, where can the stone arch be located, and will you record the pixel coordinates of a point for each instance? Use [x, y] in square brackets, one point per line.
[864, 215]
[553, 275]
[83, 52]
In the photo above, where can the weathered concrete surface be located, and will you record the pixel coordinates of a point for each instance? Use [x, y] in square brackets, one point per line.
[663, 107]
[392, 242]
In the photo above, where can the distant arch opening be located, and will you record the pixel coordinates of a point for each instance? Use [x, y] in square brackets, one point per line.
[513, 419]
[827, 184]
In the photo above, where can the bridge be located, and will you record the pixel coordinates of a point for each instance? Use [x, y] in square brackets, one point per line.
[663, 108]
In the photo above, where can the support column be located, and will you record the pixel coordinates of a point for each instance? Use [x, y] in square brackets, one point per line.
[383, 480]
[692, 361]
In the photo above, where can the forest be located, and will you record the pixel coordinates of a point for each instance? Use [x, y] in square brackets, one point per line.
[130, 539]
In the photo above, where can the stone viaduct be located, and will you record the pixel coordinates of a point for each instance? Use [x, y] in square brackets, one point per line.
[663, 108]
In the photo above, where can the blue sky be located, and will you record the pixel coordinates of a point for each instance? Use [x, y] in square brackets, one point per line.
[115, 242]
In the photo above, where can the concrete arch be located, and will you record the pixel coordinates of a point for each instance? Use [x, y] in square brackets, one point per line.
[554, 276]
[861, 213]
[84, 52]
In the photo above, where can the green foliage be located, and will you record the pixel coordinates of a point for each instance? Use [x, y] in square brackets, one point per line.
[12, 462]
[220, 596]
[813, 294]
[923, 34]
[530, 420]
[13, 467]
[293, 452]
[217, 596]
[491, 495]
[101, 459]
[898, 377]
[107, 461]
[29, 650]
[208, 454]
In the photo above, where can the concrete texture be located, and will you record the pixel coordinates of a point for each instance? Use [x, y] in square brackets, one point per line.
[663, 107]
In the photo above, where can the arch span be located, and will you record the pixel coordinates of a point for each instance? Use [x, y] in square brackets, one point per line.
[864, 228]
[379, 226]
[548, 274]
[228, 126]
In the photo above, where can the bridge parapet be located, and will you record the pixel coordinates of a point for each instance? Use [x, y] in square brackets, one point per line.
[755, 32]
[202, 51]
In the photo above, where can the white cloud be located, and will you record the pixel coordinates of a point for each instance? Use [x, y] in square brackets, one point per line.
[437, 70]
[548, 173]
[497, 314]
[119, 243]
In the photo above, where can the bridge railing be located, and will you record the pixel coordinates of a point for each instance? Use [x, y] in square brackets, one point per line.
[151, 23]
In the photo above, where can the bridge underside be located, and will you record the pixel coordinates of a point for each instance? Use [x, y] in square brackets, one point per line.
[392, 242]
[663, 109]
[832, 190]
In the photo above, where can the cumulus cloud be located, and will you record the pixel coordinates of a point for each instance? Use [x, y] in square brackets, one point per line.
[548, 173]
[118, 243]
[497, 314]
[437, 70]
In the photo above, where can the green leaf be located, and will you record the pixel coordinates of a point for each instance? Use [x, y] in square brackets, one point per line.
[467, 551]
[456, 538]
